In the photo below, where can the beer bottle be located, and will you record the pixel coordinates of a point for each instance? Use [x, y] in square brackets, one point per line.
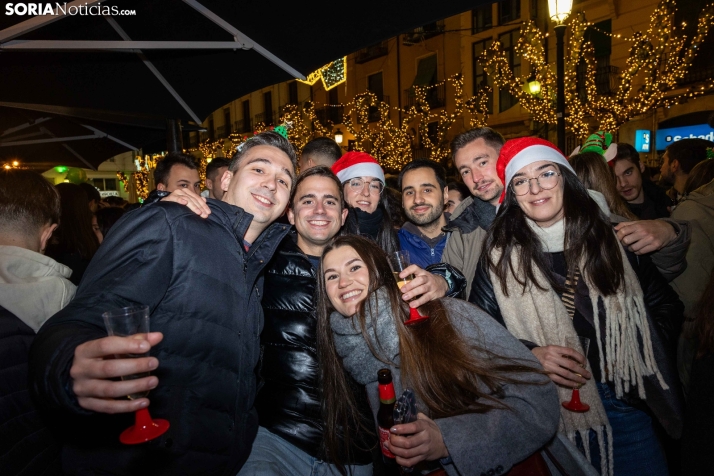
[385, 415]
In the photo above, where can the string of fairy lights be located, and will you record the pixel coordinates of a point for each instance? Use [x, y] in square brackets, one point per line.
[658, 60]
[391, 142]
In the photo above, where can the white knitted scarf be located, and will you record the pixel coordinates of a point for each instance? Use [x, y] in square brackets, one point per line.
[540, 317]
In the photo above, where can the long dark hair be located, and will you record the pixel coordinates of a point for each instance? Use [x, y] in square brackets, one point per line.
[74, 234]
[588, 235]
[435, 361]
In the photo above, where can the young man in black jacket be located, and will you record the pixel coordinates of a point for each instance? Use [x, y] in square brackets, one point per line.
[289, 440]
[205, 328]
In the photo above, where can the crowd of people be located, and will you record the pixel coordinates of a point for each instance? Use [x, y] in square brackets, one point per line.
[273, 307]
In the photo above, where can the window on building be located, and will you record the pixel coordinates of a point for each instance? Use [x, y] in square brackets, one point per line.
[268, 107]
[605, 75]
[508, 41]
[481, 79]
[227, 120]
[293, 92]
[211, 130]
[508, 11]
[246, 116]
[482, 18]
[702, 67]
[105, 184]
[375, 85]
[426, 76]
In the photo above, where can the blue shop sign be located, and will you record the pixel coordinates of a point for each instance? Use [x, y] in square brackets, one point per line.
[643, 141]
[666, 137]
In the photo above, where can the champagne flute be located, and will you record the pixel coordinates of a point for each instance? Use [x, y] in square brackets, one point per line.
[134, 322]
[580, 344]
[399, 261]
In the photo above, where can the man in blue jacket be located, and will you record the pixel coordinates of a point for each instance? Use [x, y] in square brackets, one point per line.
[424, 193]
[202, 280]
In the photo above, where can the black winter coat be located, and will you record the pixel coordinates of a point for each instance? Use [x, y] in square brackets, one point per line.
[665, 314]
[288, 401]
[27, 447]
[204, 291]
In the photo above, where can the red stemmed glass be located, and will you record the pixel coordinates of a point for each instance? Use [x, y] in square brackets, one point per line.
[399, 261]
[134, 322]
[580, 344]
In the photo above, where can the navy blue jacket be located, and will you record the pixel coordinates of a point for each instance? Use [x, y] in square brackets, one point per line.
[203, 290]
[420, 252]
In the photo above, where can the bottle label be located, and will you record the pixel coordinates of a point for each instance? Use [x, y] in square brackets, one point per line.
[386, 393]
[383, 437]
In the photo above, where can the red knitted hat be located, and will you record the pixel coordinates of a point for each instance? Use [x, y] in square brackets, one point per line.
[357, 164]
[517, 153]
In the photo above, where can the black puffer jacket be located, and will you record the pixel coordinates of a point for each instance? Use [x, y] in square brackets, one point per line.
[288, 401]
[204, 291]
[27, 447]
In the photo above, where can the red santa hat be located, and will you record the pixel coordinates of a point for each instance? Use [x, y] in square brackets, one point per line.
[517, 153]
[357, 164]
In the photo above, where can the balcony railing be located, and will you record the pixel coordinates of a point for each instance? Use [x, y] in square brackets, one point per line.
[420, 153]
[371, 52]
[422, 33]
[435, 96]
[698, 73]
[242, 125]
[331, 114]
[373, 113]
[606, 79]
[268, 118]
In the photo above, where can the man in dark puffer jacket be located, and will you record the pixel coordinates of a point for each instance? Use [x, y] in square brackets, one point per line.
[202, 280]
[289, 440]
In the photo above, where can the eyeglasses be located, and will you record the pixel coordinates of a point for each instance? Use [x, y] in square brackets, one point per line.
[357, 185]
[546, 181]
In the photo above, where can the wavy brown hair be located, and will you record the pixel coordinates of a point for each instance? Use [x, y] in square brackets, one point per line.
[435, 360]
[588, 235]
[595, 174]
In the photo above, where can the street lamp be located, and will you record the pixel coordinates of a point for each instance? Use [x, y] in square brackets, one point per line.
[559, 11]
[338, 136]
[533, 85]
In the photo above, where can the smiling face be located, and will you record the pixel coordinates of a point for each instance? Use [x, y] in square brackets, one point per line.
[317, 213]
[365, 198]
[260, 185]
[545, 207]
[629, 181]
[346, 279]
[422, 198]
[476, 162]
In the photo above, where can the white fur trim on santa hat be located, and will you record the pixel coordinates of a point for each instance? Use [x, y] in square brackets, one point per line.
[532, 154]
[364, 169]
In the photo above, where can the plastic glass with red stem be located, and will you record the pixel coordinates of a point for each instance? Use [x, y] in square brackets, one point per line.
[580, 344]
[134, 322]
[399, 261]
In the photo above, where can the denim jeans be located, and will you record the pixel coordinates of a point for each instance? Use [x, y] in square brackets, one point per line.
[636, 450]
[273, 456]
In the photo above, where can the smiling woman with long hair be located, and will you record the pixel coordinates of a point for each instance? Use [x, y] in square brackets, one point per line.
[552, 269]
[486, 404]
